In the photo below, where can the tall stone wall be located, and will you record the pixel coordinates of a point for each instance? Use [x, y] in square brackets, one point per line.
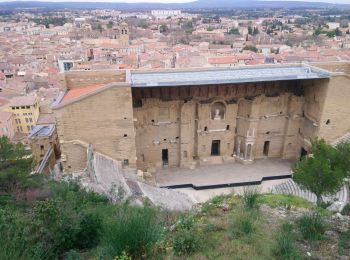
[335, 120]
[78, 79]
[240, 118]
[157, 127]
[105, 120]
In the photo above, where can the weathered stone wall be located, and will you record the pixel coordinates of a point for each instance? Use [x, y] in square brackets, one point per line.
[40, 145]
[335, 120]
[104, 119]
[336, 67]
[157, 127]
[256, 120]
[78, 79]
[183, 121]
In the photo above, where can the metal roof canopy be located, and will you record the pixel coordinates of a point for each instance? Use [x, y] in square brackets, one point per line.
[213, 76]
[42, 131]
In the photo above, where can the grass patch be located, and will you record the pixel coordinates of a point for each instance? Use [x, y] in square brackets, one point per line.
[312, 226]
[243, 223]
[251, 197]
[133, 230]
[283, 200]
[210, 206]
[187, 241]
[346, 210]
[344, 243]
[285, 247]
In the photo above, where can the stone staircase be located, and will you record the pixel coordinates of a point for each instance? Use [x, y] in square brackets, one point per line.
[339, 200]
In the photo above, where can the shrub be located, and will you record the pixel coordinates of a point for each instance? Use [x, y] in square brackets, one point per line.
[66, 221]
[88, 234]
[324, 204]
[243, 223]
[312, 226]
[251, 197]
[58, 228]
[72, 255]
[123, 256]
[14, 235]
[133, 230]
[218, 200]
[285, 243]
[214, 203]
[186, 241]
[186, 222]
[346, 210]
[344, 243]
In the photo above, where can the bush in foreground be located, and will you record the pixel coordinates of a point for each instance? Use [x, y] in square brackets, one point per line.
[346, 210]
[251, 197]
[344, 243]
[186, 242]
[312, 226]
[133, 230]
[243, 223]
[285, 243]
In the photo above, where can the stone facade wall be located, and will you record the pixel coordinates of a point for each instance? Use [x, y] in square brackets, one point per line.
[186, 122]
[78, 79]
[335, 120]
[103, 119]
[40, 145]
[184, 126]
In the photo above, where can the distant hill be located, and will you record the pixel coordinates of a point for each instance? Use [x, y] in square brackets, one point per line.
[200, 4]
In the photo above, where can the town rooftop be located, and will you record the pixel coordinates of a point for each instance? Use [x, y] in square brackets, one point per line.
[208, 76]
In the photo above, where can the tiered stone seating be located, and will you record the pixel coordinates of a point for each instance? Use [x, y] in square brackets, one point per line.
[290, 187]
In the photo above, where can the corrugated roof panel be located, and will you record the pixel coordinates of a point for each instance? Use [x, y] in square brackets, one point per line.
[224, 76]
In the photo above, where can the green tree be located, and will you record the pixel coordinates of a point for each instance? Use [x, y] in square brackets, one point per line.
[99, 27]
[250, 48]
[341, 159]
[331, 34]
[322, 172]
[338, 32]
[250, 30]
[163, 28]
[318, 31]
[15, 167]
[234, 31]
[110, 24]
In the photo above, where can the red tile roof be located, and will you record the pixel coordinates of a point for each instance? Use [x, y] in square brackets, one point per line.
[78, 92]
[2, 75]
[222, 60]
[23, 101]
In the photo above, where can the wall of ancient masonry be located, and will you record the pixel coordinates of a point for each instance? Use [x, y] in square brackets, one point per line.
[335, 120]
[78, 79]
[105, 120]
[40, 145]
[336, 67]
[186, 120]
[251, 121]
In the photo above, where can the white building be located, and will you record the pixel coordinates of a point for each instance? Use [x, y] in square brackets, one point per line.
[333, 26]
[161, 14]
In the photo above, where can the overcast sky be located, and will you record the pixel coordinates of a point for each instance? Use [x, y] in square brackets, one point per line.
[172, 1]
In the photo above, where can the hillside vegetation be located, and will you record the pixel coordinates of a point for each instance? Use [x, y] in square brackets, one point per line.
[46, 219]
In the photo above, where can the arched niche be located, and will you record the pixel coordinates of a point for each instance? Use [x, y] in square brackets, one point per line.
[218, 111]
